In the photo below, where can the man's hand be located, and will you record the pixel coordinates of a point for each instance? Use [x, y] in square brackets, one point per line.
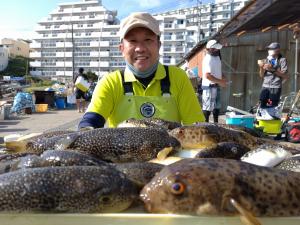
[268, 67]
[223, 82]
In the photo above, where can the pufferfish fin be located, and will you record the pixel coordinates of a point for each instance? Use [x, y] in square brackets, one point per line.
[66, 142]
[246, 216]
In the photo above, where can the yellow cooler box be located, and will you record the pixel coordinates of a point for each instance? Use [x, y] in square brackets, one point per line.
[82, 84]
[270, 126]
[41, 107]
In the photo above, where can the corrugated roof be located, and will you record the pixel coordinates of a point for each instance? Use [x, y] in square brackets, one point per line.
[255, 16]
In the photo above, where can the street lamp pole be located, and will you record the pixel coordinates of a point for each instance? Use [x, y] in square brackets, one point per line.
[73, 47]
[199, 4]
[296, 63]
[99, 56]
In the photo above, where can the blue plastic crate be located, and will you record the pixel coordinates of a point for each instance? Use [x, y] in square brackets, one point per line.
[241, 120]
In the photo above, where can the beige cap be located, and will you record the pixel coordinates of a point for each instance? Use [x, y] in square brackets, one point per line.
[138, 19]
[213, 44]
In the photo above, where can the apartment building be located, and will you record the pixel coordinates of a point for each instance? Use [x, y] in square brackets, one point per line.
[79, 29]
[17, 47]
[3, 57]
[89, 31]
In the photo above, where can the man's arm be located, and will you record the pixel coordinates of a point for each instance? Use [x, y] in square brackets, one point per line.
[101, 105]
[91, 120]
[281, 74]
[262, 72]
[282, 71]
[221, 82]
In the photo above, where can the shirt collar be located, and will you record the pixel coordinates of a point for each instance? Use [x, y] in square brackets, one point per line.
[159, 74]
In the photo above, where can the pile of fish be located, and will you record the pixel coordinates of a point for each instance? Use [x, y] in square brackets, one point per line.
[234, 171]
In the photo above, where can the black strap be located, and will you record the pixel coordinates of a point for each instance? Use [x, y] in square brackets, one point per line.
[127, 85]
[164, 83]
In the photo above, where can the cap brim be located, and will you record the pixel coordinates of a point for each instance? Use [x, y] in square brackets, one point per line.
[135, 26]
[215, 46]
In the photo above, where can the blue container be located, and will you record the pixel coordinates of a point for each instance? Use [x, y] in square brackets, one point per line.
[60, 103]
[241, 120]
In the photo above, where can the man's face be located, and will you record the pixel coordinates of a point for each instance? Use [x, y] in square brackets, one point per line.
[140, 48]
[274, 52]
[212, 50]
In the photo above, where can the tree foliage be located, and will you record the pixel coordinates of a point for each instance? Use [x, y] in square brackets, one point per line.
[16, 67]
[92, 76]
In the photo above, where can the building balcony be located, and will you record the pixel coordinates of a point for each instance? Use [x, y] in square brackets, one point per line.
[94, 64]
[179, 49]
[35, 73]
[167, 49]
[104, 43]
[104, 54]
[104, 64]
[205, 19]
[35, 64]
[64, 64]
[64, 44]
[64, 73]
[64, 54]
[35, 45]
[34, 54]
[179, 37]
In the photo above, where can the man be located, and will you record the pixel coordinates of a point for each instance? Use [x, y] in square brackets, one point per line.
[146, 88]
[212, 80]
[80, 95]
[273, 70]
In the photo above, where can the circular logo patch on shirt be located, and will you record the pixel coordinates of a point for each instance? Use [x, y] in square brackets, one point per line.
[147, 109]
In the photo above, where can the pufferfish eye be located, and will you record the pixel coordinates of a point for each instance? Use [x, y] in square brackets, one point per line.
[178, 188]
[105, 199]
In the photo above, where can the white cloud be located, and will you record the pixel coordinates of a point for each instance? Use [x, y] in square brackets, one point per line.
[149, 3]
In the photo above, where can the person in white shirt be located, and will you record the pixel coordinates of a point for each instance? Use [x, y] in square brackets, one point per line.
[212, 80]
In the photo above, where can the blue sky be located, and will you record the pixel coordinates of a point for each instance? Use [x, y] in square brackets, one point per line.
[18, 18]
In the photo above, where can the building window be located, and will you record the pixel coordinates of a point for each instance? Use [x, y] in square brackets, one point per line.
[81, 17]
[88, 34]
[168, 25]
[61, 10]
[114, 43]
[45, 35]
[82, 42]
[59, 18]
[191, 33]
[92, 16]
[83, 8]
[77, 34]
[227, 15]
[57, 26]
[79, 25]
[90, 25]
[48, 27]
[167, 59]
[180, 21]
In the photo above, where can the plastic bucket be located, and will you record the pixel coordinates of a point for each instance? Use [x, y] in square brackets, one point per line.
[60, 103]
[241, 120]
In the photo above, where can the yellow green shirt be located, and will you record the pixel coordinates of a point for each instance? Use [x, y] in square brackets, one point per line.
[109, 91]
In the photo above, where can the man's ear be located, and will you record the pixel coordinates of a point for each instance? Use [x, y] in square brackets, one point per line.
[121, 47]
